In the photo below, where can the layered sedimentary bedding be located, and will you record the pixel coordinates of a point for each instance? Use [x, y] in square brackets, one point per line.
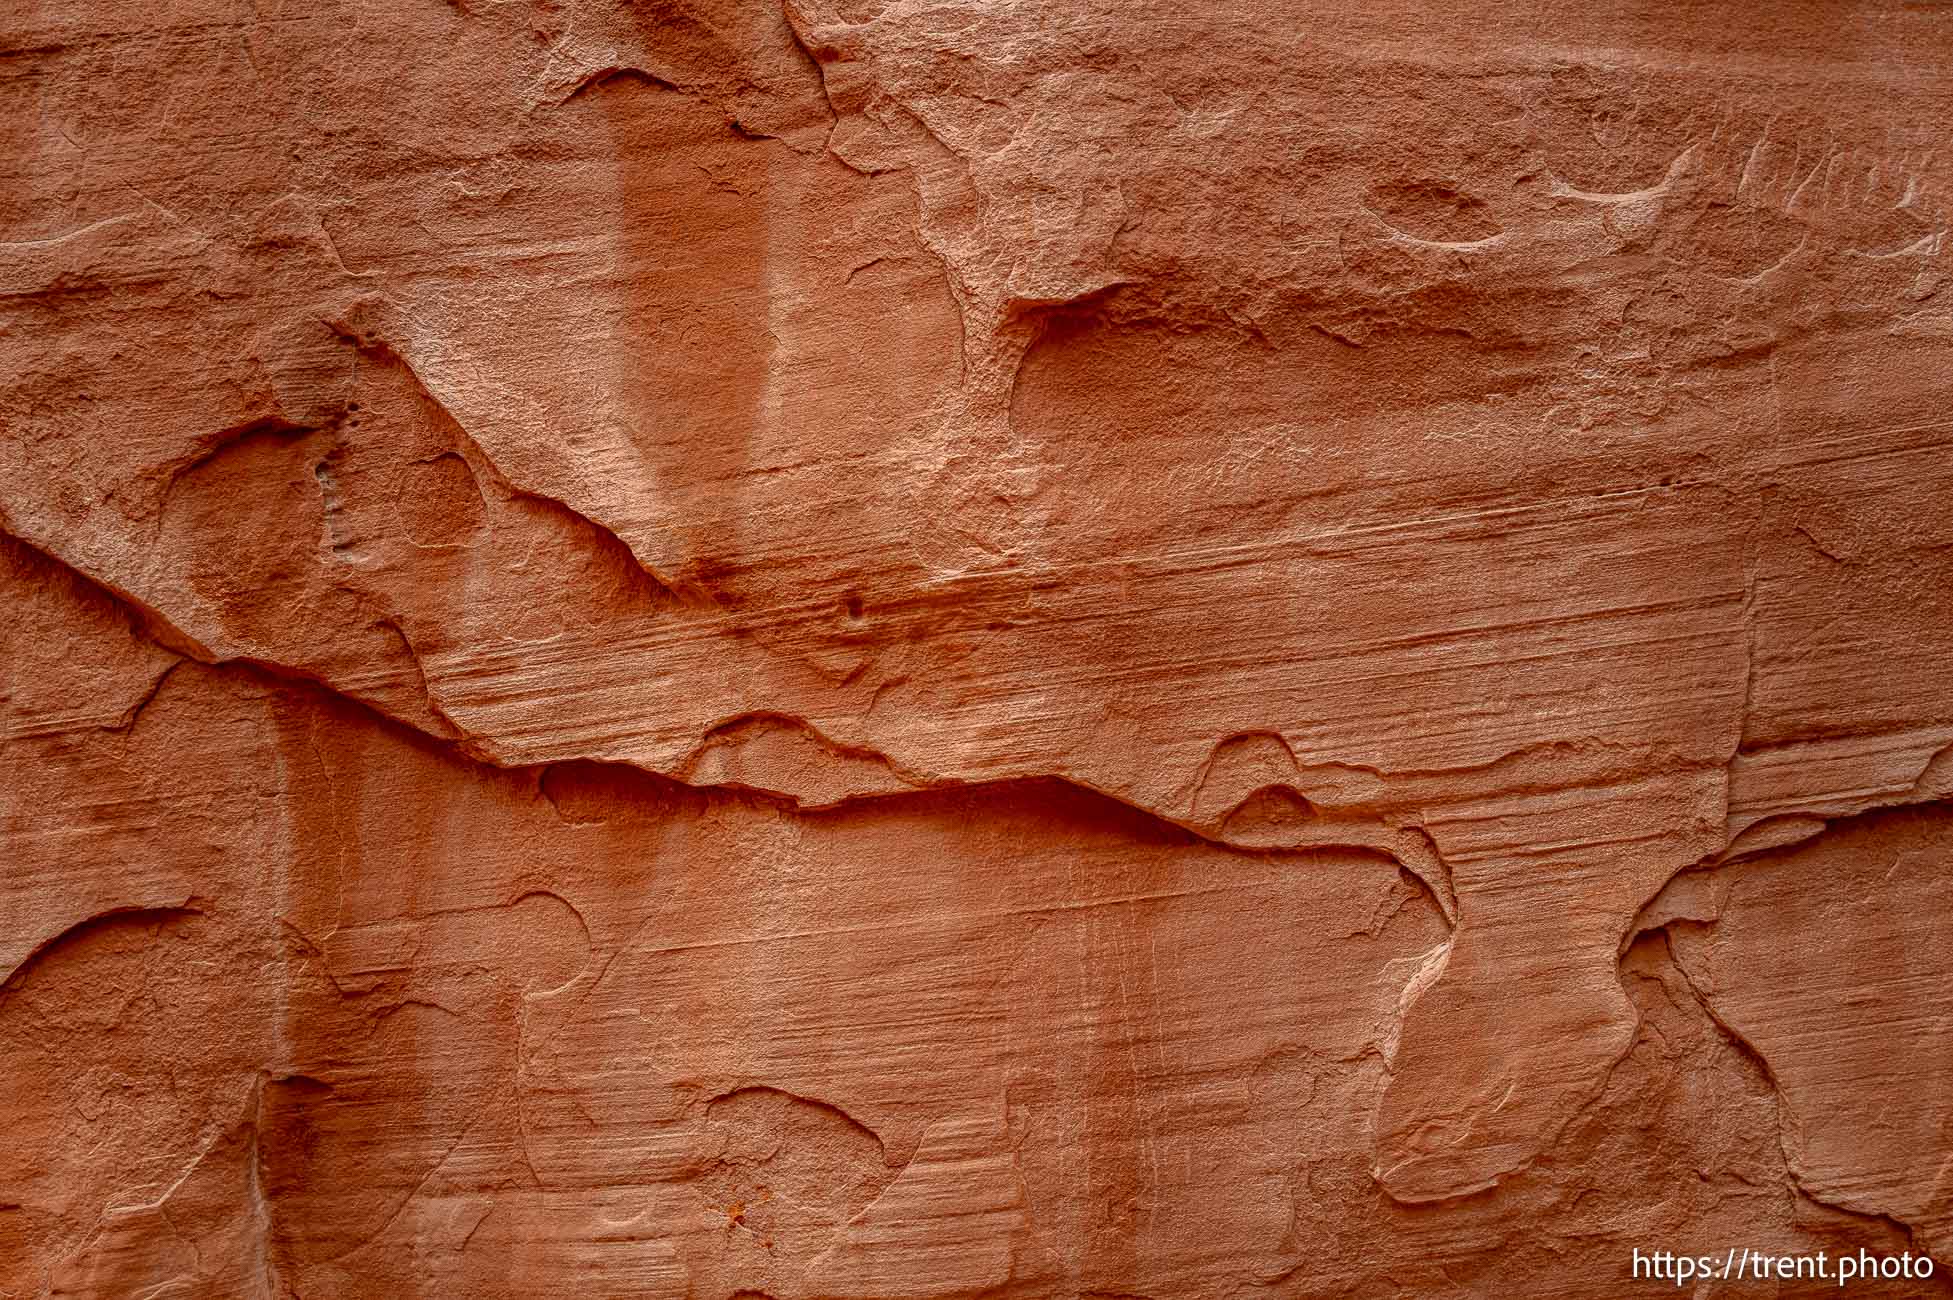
[972, 649]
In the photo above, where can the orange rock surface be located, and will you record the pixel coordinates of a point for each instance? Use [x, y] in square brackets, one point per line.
[888, 650]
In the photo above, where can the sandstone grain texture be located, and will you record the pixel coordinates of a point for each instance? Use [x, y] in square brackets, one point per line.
[971, 649]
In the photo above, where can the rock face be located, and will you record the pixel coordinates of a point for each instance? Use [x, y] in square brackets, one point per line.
[972, 649]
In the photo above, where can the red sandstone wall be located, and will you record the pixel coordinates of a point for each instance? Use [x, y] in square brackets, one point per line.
[972, 649]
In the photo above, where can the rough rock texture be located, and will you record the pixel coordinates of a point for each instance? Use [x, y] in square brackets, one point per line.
[953, 648]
